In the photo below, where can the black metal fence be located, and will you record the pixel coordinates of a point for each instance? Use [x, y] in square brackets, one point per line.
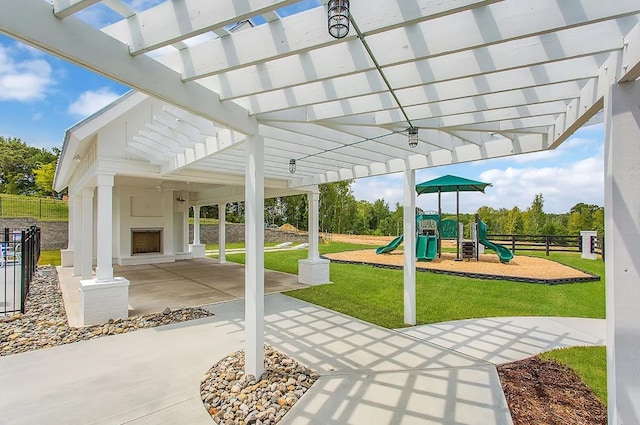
[19, 254]
[547, 243]
[14, 206]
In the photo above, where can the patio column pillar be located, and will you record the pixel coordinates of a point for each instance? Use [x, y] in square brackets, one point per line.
[314, 270]
[409, 247]
[254, 265]
[66, 255]
[77, 233]
[86, 247]
[105, 296]
[196, 224]
[622, 224]
[196, 249]
[104, 266]
[222, 232]
[76, 206]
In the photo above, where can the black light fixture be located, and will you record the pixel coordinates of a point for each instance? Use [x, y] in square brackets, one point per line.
[413, 136]
[292, 166]
[338, 18]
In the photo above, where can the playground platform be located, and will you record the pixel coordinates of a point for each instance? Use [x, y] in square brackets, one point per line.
[488, 266]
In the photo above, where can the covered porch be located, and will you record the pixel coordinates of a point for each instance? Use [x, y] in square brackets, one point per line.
[188, 283]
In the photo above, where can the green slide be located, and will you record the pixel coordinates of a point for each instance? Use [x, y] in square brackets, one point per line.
[504, 254]
[392, 245]
[426, 248]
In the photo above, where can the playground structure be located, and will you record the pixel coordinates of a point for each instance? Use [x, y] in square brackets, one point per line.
[431, 230]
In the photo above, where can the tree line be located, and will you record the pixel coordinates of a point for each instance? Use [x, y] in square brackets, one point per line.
[341, 212]
[26, 170]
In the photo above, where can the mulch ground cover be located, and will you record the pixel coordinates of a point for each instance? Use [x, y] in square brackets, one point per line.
[544, 392]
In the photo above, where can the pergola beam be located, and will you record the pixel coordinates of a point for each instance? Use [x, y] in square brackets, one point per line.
[165, 24]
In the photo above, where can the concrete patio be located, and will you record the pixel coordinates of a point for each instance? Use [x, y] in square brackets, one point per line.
[187, 283]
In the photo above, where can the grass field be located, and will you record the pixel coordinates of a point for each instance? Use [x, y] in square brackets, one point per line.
[376, 294]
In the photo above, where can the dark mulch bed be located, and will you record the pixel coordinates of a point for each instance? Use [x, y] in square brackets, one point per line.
[544, 392]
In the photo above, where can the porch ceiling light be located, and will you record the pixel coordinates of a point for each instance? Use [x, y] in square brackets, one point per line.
[338, 18]
[413, 136]
[292, 166]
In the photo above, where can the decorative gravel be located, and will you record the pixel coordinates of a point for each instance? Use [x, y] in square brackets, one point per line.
[231, 398]
[44, 323]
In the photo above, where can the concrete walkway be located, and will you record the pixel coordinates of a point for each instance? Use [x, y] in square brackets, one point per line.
[367, 374]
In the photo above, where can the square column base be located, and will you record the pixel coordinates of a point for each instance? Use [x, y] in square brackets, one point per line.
[313, 272]
[197, 250]
[101, 301]
[66, 257]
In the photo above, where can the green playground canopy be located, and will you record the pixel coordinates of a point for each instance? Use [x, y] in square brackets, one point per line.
[450, 183]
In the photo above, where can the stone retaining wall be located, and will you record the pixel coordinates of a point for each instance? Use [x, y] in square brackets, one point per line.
[54, 234]
[235, 233]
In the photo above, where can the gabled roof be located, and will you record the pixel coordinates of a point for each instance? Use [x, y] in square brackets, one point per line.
[480, 79]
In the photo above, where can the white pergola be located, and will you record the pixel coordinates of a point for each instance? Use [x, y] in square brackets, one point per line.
[479, 79]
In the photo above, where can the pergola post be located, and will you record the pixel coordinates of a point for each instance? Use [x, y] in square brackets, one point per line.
[222, 232]
[622, 224]
[409, 247]
[254, 264]
[196, 249]
[313, 270]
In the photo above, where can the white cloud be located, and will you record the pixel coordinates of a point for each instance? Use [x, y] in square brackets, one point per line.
[562, 186]
[25, 80]
[91, 101]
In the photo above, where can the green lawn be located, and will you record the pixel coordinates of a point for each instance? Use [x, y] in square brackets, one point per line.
[589, 363]
[49, 257]
[376, 294]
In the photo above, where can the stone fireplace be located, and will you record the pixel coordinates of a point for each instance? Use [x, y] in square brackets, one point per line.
[146, 241]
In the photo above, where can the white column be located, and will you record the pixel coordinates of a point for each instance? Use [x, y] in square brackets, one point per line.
[622, 224]
[77, 233]
[196, 249]
[222, 233]
[104, 266]
[87, 234]
[66, 255]
[196, 224]
[409, 247]
[105, 296]
[254, 264]
[314, 270]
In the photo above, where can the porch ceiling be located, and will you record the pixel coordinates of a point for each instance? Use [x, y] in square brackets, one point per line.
[480, 79]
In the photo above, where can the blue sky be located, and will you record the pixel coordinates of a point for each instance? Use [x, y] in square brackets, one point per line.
[41, 96]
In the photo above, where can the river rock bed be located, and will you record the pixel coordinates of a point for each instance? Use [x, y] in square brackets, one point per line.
[44, 323]
[231, 398]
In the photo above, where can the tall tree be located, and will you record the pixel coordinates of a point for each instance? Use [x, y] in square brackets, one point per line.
[17, 164]
[44, 174]
[535, 216]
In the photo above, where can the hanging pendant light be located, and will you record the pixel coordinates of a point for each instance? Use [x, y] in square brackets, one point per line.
[413, 136]
[292, 166]
[338, 18]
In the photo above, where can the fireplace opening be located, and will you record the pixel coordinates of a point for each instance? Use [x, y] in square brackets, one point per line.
[146, 241]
